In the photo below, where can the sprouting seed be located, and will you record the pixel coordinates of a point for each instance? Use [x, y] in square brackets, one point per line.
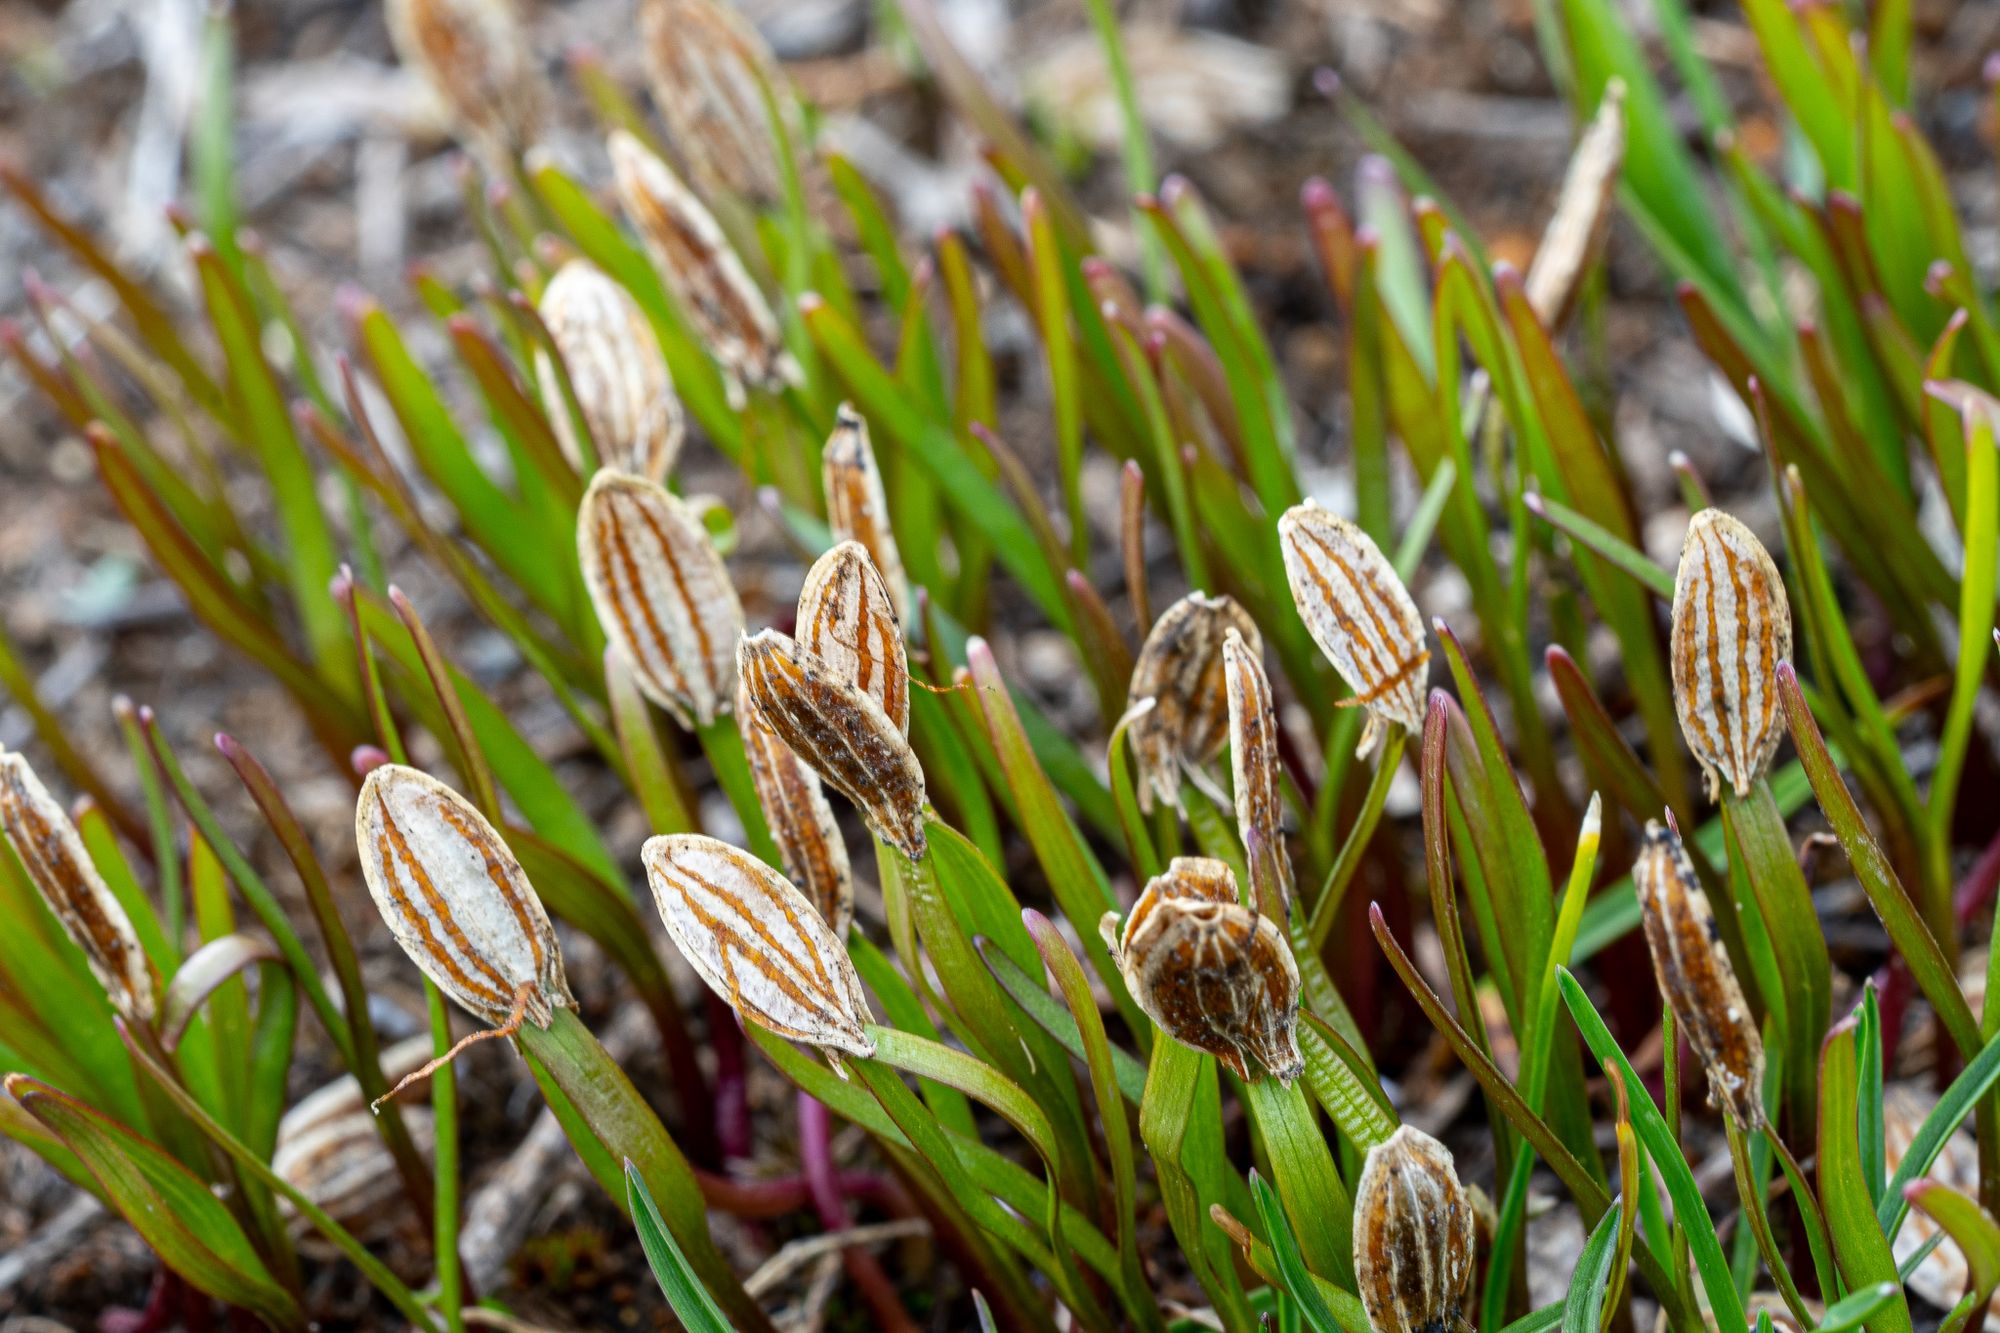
[1214, 974]
[1361, 616]
[1180, 668]
[661, 593]
[1253, 763]
[53, 853]
[1732, 626]
[855, 507]
[758, 942]
[1697, 978]
[695, 261]
[842, 732]
[475, 57]
[1413, 1236]
[710, 72]
[847, 620]
[801, 821]
[622, 383]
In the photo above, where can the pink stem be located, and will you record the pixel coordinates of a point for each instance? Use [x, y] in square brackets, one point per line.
[816, 1152]
[732, 1089]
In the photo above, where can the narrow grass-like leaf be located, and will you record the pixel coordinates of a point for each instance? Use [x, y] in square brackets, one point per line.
[685, 1293]
[1859, 1244]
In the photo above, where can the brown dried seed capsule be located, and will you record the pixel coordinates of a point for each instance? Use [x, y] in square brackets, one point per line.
[847, 620]
[1253, 764]
[661, 593]
[709, 70]
[1180, 669]
[475, 57]
[840, 731]
[1697, 978]
[757, 942]
[1360, 615]
[801, 821]
[693, 258]
[53, 853]
[1213, 974]
[1413, 1236]
[855, 508]
[614, 363]
[1732, 626]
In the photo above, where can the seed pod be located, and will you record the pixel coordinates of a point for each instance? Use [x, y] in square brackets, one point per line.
[661, 594]
[1361, 616]
[710, 71]
[1732, 626]
[456, 899]
[614, 363]
[53, 853]
[855, 508]
[757, 942]
[693, 258]
[1413, 1236]
[1576, 229]
[841, 732]
[1697, 978]
[1253, 765]
[1180, 669]
[847, 621]
[476, 58]
[340, 1164]
[1213, 974]
[801, 821]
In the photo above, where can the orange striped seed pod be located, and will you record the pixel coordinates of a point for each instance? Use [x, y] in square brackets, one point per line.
[710, 72]
[621, 381]
[841, 732]
[475, 56]
[846, 619]
[1215, 975]
[661, 593]
[1697, 978]
[1253, 764]
[855, 507]
[801, 821]
[1413, 1236]
[1732, 626]
[1361, 616]
[1180, 668]
[53, 853]
[758, 943]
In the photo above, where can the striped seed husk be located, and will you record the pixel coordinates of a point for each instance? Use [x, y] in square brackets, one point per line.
[758, 942]
[53, 853]
[1732, 626]
[801, 821]
[855, 508]
[1413, 1236]
[456, 899]
[691, 255]
[1215, 975]
[475, 56]
[340, 1164]
[661, 593]
[1696, 976]
[1253, 764]
[847, 620]
[709, 69]
[841, 732]
[1180, 668]
[622, 383]
[1361, 616]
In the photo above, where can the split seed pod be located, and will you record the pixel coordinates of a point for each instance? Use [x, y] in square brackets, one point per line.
[801, 821]
[1253, 763]
[758, 943]
[661, 593]
[1180, 668]
[841, 731]
[710, 71]
[476, 58]
[847, 620]
[621, 380]
[53, 852]
[1413, 1236]
[456, 899]
[1213, 974]
[1732, 626]
[1697, 978]
[695, 261]
[855, 507]
[1361, 616]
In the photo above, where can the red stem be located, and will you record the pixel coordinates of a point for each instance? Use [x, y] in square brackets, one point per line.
[816, 1153]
